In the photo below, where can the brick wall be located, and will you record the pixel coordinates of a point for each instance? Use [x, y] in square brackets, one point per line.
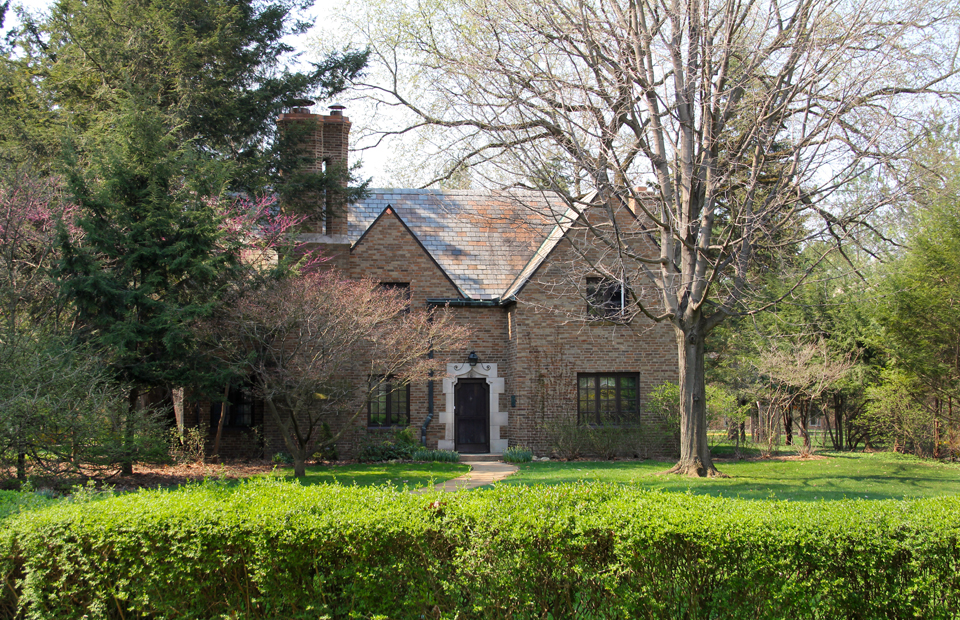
[389, 253]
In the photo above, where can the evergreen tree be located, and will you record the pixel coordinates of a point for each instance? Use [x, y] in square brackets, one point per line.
[168, 110]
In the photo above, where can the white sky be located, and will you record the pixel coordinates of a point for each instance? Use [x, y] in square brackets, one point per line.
[374, 161]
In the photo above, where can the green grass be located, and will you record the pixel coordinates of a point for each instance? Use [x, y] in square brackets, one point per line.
[839, 476]
[400, 475]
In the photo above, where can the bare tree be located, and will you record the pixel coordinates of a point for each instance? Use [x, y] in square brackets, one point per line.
[317, 346]
[797, 375]
[744, 119]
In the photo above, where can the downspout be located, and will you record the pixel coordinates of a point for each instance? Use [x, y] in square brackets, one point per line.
[426, 423]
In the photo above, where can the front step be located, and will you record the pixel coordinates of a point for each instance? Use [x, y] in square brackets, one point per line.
[480, 458]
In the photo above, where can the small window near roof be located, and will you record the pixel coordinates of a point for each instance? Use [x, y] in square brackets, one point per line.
[605, 298]
[401, 289]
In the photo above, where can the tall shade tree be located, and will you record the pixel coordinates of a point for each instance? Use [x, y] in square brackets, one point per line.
[744, 118]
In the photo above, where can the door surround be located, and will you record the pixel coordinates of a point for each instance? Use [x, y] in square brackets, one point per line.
[498, 418]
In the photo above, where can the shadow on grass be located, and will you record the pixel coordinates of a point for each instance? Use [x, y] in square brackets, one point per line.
[836, 477]
[399, 475]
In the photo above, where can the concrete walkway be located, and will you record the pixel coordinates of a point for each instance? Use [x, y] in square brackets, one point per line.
[479, 475]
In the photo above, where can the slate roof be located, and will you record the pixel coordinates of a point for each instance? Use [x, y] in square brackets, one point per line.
[484, 240]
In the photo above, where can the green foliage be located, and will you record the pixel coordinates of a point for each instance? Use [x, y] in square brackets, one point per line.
[396, 444]
[15, 502]
[518, 454]
[664, 402]
[569, 440]
[62, 415]
[216, 70]
[436, 456]
[270, 549]
[282, 458]
[149, 263]
[896, 416]
[188, 446]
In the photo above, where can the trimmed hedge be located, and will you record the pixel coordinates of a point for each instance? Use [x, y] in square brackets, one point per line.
[269, 549]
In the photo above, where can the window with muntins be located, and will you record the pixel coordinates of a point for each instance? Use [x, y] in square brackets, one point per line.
[605, 298]
[389, 405]
[608, 398]
[240, 412]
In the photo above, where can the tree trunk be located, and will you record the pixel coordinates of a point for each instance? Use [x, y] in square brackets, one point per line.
[297, 449]
[299, 465]
[838, 419]
[126, 465]
[788, 425]
[224, 410]
[695, 457]
[805, 422]
[21, 466]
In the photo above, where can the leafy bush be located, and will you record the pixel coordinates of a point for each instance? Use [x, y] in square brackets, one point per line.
[565, 438]
[436, 456]
[282, 458]
[62, 415]
[15, 502]
[518, 454]
[190, 446]
[569, 440]
[388, 446]
[269, 549]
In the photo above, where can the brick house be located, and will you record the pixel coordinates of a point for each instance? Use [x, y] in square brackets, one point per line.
[551, 341]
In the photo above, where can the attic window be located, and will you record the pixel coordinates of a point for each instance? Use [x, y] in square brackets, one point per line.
[401, 289]
[605, 298]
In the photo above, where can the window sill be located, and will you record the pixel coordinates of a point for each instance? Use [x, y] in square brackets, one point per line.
[607, 322]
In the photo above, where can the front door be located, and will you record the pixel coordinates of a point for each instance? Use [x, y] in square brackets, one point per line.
[472, 416]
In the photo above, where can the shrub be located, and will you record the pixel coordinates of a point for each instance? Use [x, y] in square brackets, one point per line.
[190, 446]
[569, 440]
[269, 549]
[388, 445]
[518, 454]
[565, 438]
[436, 456]
[282, 458]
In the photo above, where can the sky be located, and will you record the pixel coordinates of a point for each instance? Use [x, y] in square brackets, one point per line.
[374, 161]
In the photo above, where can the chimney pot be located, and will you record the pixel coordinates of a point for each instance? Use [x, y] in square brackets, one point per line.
[337, 109]
[301, 106]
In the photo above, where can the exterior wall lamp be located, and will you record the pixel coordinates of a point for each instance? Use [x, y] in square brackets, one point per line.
[473, 358]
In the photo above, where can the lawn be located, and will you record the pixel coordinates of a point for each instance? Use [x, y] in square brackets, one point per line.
[838, 476]
[400, 475]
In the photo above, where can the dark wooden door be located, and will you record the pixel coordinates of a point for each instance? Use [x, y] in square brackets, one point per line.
[472, 416]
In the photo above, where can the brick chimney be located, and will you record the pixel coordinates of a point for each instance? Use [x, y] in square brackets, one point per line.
[326, 146]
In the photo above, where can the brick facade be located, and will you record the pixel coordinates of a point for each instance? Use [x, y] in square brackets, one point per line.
[540, 337]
